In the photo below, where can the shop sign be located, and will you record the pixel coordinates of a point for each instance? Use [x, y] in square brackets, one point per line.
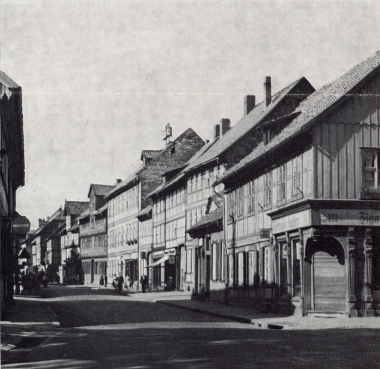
[293, 221]
[158, 254]
[265, 232]
[171, 259]
[349, 217]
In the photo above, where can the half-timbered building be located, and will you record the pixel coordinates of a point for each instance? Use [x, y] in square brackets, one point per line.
[303, 213]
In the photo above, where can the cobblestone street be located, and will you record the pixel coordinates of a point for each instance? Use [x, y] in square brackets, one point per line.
[101, 329]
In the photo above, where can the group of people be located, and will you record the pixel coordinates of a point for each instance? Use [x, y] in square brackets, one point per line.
[103, 280]
[31, 282]
[118, 282]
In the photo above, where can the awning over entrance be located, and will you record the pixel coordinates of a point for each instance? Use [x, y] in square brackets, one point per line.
[159, 261]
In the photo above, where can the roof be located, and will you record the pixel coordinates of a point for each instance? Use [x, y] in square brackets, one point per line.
[181, 140]
[59, 229]
[58, 215]
[76, 207]
[181, 175]
[7, 81]
[150, 154]
[212, 219]
[249, 121]
[318, 103]
[100, 190]
[124, 184]
[146, 212]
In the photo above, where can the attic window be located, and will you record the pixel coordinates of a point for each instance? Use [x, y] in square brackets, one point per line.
[172, 150]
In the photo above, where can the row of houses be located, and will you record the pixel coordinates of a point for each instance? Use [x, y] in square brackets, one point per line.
[280, 212]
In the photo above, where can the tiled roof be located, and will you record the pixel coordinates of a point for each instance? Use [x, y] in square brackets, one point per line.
[75, 207]
[249, 121]
[181, 175]
[126, 182]
[145, 211]
[58, 215]
[150, 154]
[138, 173]
[312, 107]
[207, 219]
[59, 229]
[101, 190]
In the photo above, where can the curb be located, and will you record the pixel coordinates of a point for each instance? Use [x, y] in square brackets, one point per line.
[240, 319]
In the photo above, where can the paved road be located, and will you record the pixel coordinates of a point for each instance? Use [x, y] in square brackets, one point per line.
[104, 330]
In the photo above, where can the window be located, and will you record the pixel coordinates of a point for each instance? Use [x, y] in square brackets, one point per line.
[251, 197]
[281, 173]
[370, 169]
[231, 203]
[189, 257]
[297, 177]
[252, 268]
[190, 185]
[214, 261]
[268, 189]
[240, 201]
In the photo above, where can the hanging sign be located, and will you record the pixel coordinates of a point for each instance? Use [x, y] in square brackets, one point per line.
[20, 225]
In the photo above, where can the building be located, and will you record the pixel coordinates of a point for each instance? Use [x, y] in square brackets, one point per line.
[12, 169]
[46, 232]
[70, 266]
[93, 234]
[303, 212]
[187, 197]
[127, 200]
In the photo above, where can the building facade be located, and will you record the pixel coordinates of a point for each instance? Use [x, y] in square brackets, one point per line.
[128, 199]
[305, 205]
[93, 235]
[12, 170]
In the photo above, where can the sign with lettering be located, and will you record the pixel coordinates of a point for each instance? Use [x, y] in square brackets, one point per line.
[265, 232]
[349, 217]
[293, 221]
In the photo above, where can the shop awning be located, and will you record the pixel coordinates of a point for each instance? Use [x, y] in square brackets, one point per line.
[159, 261]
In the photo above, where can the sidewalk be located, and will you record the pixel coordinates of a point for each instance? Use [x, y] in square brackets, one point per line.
[27, 323]
[272, 321]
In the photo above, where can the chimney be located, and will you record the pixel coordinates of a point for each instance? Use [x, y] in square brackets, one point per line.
[118, 181]
[249, 103]
[268, 90]
[225, 124]
[39, 222]
[216, 131]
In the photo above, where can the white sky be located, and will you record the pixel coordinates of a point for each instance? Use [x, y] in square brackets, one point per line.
[102, 78]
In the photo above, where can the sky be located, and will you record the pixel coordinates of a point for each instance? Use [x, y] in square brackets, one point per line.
[102, 78]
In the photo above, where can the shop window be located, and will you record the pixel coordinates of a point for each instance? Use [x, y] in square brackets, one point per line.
[284, 269]
[281, 181]
[241, 269]
[296, 268]
[297, 177]
[268, 189]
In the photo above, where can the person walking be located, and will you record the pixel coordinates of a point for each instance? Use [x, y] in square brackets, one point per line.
[101, 282]
[120, 282]
[105, 280]
[143, 281]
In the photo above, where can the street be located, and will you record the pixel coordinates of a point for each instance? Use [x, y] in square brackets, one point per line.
[101, 329]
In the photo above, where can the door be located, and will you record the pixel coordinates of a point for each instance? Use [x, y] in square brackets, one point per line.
[329, 283]
[92, 271]
[208, 274]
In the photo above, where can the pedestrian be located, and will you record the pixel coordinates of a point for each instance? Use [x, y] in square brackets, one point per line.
[105, 280]
[115, 282]
[127, 281]
[120, 282]
[101, 282]
[143, 281]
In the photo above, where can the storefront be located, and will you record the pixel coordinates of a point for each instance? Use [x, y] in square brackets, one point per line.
[327, 256]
